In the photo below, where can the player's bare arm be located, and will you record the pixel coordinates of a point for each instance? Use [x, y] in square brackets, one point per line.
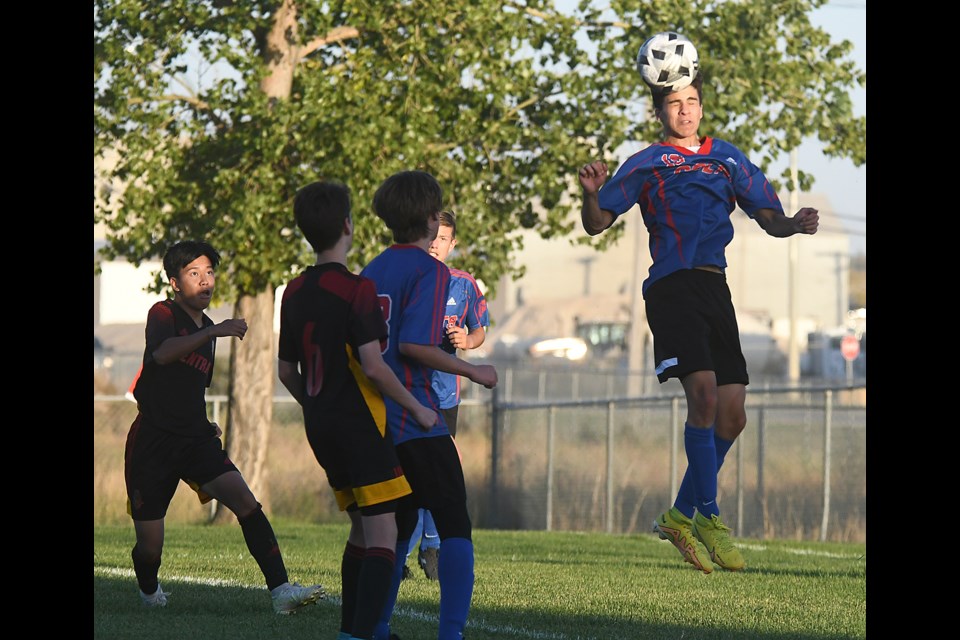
[778, 225]
[371, 360]
[172, 349]
[436, 358]
[594, 219]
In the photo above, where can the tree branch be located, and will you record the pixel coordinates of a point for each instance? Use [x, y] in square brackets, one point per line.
[338, 34]
[173, 97]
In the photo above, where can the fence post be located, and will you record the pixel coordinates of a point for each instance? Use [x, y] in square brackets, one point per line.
[674, 444]
[551, 428]
[827, 437]
[610, 409]
[761, 454]
[739, 487]
[495, 418]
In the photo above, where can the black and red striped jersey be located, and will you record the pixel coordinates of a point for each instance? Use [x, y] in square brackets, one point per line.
[326, 313]
[172, 397]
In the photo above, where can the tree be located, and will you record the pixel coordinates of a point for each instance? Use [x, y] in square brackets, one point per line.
[500, 99]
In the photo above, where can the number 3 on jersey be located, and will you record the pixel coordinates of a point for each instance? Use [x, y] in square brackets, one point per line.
[386, 306]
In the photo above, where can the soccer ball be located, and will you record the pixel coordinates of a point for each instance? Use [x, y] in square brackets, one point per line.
[668, 62]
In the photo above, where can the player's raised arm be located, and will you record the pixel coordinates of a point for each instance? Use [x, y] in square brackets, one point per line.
[594, 219]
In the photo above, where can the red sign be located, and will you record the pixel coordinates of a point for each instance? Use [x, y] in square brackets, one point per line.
[850, 348]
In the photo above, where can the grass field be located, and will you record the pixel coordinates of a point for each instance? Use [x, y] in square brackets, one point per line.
[529, 585]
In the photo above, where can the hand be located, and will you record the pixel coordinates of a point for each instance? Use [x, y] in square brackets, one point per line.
[217, 429]
[807, 220]
[231, 327]
[426, 417]
[457, 336]
[485, 374]
[592, 176]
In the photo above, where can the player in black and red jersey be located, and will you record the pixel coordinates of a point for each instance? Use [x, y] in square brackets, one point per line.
[172, 439]
[331, 326]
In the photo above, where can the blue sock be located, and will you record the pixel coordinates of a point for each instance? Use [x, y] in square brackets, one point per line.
[382, 631]
[702, 464]
[415, 536]
[431, 539]
[456, 586]
[686, 501]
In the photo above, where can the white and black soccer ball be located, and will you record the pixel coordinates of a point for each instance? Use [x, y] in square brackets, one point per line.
[668, 61]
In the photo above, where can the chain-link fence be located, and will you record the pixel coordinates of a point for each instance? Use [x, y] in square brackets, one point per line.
[584, 461]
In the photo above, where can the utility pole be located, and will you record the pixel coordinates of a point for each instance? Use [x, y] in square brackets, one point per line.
[637, 340]
[793, 349]
[842, 270]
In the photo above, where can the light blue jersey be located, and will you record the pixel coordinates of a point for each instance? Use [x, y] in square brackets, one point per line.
[465, 307]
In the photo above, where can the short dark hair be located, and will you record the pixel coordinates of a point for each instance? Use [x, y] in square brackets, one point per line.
[406, 201]
[320, 209]
[183, 253]
[658, 95]
[449, 219]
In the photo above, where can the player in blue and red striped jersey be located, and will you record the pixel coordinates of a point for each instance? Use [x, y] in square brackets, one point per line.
[466, 319]
[412, 287]
[329, 359]
[687, 186]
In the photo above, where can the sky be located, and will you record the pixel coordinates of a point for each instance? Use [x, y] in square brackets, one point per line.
[844, 184]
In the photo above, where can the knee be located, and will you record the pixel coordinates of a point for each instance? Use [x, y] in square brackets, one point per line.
[702, 404]
[148, 552]
[247, 508]
[731, 425]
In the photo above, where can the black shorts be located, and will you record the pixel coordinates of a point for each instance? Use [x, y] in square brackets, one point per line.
[155, 461]
[360, 462]
[694, 326]
[432, 466]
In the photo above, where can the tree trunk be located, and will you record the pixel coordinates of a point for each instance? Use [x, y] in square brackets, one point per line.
[250, 414]
[252, 372]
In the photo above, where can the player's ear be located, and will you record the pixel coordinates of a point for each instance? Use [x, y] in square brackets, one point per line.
[175, 285]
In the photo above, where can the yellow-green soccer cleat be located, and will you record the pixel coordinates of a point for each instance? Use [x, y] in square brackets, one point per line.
[678, 529]
[715, 536]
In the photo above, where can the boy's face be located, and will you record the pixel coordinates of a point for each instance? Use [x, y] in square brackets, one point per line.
[443, 244]
[681, 113]
[195, 284]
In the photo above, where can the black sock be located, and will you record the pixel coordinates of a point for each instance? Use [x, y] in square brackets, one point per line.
[264, 548]
[146, 572]
[376, 578]
[349, 579]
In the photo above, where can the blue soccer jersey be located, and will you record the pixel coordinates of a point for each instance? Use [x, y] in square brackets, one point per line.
[466, 307]
[412, 288]
[686, 199]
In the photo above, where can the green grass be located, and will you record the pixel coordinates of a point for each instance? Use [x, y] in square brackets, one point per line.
[530, 585]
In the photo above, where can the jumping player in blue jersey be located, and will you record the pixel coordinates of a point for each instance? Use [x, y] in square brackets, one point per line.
[466, 320]
[172, 439]
[329, 359]
[412, 287]
[687, 186]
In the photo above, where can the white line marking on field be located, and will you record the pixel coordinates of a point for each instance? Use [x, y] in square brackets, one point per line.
[802, 552]
[400, 611]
